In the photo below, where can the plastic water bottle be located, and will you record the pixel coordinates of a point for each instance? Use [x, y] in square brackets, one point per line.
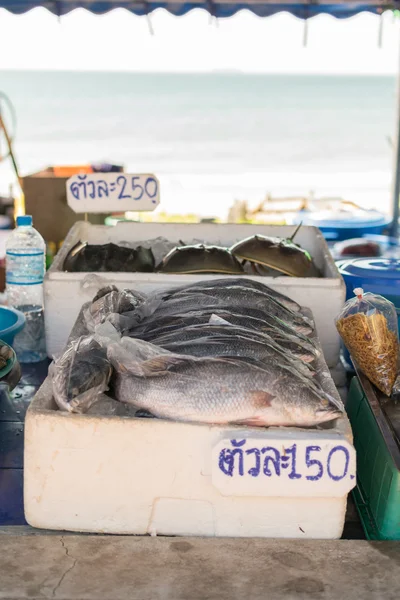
[25, 268]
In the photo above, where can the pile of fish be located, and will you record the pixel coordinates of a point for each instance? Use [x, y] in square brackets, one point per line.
[257, 255]
[221, 351]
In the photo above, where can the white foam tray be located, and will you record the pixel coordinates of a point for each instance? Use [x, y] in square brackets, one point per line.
[113, 473]
[65, 293]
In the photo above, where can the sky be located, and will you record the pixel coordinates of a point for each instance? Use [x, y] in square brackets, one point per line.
[195, 43]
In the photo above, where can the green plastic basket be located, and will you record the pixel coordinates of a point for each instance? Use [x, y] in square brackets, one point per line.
[377, 494]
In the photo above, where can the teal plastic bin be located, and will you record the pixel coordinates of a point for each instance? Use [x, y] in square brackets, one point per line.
[377, 494]
[11, 322]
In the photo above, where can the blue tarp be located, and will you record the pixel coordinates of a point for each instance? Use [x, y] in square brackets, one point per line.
[220, 9]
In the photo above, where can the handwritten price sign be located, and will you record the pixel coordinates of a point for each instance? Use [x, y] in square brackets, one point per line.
[254, 467]
[112, 192]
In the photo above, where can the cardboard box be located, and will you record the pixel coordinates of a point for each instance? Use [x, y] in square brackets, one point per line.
[46, 201]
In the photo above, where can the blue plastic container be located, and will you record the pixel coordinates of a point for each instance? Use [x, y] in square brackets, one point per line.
[345, 227]
[377, 275]
[11, 322]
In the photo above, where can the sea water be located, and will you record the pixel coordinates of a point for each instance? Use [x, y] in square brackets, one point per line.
[213, 138]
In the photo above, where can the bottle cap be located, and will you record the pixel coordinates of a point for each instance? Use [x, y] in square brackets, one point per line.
[25, 220]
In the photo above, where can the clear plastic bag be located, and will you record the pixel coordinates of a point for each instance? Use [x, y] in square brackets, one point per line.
[80, 375]
[368, 327]
[110, 304]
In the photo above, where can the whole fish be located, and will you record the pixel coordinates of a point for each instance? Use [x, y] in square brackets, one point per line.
[220, 390]
[305, 352]
[248, 318]
[239, 282]
[233, 297]
[237, 346]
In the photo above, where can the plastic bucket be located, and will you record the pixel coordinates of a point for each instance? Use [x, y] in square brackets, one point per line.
[11, 322]
[376, 275]
[345, 228]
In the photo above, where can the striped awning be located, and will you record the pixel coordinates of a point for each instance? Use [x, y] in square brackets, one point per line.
[217, 8]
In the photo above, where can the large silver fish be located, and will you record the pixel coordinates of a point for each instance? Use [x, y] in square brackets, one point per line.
[238, 282]
[232, 297]
[237, 346]
[213, 390]
[302, 350]
[248, 318]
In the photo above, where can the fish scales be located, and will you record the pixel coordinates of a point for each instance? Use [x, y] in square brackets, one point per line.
[249, 318]
[302, 350]
[242, 282]
[223, 391]
[236, 297]
[237, 346]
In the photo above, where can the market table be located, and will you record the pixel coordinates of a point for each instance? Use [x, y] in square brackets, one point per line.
[49, 564]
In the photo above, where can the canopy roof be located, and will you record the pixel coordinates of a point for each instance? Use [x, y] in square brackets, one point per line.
[217, 8]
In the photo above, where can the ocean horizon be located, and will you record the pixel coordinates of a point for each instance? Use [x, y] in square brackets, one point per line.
[212, 138]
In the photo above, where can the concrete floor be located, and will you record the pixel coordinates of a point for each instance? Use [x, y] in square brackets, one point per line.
[50, 565]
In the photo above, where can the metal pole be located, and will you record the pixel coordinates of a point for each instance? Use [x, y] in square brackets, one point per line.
[10, 149]
[305, 33]
[380, 31]
[394, 227]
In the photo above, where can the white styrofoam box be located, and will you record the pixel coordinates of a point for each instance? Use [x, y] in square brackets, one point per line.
[65, 293]
[106, 473]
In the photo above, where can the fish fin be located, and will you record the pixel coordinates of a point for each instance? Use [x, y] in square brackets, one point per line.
[216, 320]
[144, 414]
[251, 422]
[160, 365]
[141, 359]
[260, 399]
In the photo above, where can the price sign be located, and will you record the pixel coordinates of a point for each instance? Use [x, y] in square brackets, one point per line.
[260, 467]
[112, 192]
